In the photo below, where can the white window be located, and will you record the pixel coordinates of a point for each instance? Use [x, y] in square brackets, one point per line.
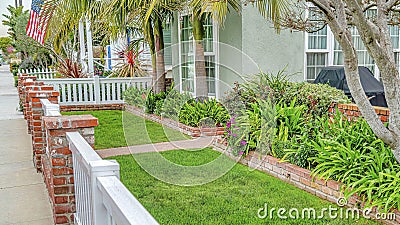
[323, 50]
[316, 53]
[317, 50]
[187, 54]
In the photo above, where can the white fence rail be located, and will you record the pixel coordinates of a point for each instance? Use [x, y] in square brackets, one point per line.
[84, 91]
[101, 199]
[39, 73]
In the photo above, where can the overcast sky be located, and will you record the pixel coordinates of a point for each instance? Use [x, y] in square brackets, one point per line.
[3, 10]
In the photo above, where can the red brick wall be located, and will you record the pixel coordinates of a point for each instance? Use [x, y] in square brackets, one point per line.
[35, 122]
[352, 111]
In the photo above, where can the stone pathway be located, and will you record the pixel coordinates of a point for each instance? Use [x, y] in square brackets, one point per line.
[23, 195]
[201, 142]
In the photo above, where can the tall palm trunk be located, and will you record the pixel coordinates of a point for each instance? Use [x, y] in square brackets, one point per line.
[200, 65]
[159, 47]
[20, 2]
[16, 3]
[150, 38]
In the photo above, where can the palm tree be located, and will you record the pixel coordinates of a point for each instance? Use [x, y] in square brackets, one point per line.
[150, 16]
[271, 9]
[65, 17]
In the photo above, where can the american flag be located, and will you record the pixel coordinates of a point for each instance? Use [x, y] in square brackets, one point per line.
[37, 25]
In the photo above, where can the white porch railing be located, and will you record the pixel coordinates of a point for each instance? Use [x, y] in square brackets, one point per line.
[39, 73]
[101, 199]
[84, 91]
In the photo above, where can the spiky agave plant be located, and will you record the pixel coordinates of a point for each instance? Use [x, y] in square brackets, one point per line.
[132, 65]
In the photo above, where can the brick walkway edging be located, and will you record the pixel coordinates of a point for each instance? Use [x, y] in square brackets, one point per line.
[299, 177]
[188, 130]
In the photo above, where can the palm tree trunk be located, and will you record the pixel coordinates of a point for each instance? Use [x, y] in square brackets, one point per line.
[200, 66]
[150, 37]
[16, 3]
[159, 42]
[20, 2]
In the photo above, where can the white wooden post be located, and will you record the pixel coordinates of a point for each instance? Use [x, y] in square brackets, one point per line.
[97, 89]
[82, 44]
[90, 47]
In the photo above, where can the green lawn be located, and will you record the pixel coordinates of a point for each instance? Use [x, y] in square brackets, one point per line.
[114, 124]
[234, 198]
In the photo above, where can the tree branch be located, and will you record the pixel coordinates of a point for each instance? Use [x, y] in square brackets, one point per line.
[390, 4]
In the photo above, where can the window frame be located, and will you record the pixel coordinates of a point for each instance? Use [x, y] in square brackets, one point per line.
[214, 53]
[330, 51]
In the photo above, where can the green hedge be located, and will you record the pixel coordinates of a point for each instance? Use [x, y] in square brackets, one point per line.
[180, 107]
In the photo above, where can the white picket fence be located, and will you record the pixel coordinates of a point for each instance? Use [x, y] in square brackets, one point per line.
[101, 198]
[39, 73]
[96, 90]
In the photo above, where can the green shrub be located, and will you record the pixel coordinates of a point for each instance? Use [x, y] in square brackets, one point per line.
[207, 113]
[179, 107]
[352, 154]
[174, 102]
[136, 97]
[316, 97]
[370, 171]
[252, 129]
[292, 133]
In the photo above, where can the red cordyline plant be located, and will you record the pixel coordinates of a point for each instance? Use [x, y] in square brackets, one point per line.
[69, 68]
[131, 67]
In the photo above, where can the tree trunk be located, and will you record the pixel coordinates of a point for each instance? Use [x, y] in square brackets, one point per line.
[20, 2]
[16, 3]
[159, 47]
[150, 38]
[200, 65]
[380, 48]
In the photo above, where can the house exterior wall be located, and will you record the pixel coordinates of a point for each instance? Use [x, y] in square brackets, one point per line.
[271, 51]
[248, 43]
[230, 53]
[175, 49]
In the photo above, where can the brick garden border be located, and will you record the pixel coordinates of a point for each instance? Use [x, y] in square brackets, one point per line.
[94, 107]
[329, 190]
[351, 111]
[188, 130]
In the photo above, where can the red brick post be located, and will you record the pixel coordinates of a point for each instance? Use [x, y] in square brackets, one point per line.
[57, 162]
[35, 122]
[26, 87]
[22, 79]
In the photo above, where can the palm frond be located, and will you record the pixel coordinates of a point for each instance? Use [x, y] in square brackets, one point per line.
[272, 10]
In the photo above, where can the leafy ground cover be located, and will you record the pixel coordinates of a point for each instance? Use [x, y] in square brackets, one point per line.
[235, 198]
[112, 123]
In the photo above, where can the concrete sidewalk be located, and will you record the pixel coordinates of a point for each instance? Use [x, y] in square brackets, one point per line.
[23, 195]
